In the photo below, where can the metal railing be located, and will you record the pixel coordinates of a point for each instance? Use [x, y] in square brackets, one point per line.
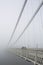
[32, 54]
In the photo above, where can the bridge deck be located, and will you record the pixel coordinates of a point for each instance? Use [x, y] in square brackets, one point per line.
[12, 59]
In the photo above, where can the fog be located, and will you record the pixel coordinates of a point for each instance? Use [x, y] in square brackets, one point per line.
[9, 13]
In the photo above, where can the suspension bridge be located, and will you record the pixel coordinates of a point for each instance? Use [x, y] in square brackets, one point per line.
[19, 56]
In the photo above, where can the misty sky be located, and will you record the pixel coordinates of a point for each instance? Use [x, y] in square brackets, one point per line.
[9, 12]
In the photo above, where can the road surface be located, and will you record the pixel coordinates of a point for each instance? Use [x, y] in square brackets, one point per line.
[8, 58]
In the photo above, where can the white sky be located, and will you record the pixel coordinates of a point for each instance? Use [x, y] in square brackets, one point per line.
[9, 12]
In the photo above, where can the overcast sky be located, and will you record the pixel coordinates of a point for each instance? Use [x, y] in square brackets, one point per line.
[9, 12]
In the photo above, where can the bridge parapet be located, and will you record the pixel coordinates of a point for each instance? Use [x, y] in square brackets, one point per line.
[30, 54]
